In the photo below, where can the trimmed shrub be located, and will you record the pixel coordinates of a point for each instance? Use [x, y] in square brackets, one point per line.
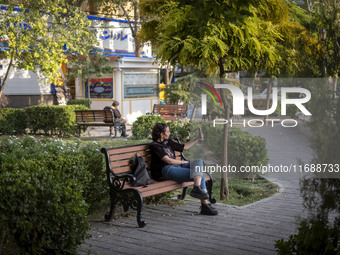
[84, 102]
[12, 121]
[47, 189]
[182, 130]
[42, 211]
[244, 149]
[142, 127]
[81, 162]
[54, 120]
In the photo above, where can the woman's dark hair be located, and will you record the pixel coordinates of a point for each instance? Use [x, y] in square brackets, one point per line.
[115, 103]
[157, 130]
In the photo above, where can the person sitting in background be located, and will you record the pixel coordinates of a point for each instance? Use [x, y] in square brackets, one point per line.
[114, 108]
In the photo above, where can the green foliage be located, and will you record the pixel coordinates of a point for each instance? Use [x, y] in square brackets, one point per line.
[181, 130]
[325, 123]
[142, 127]
[213, 34]
[43, 211]
[43, 204]
[245, 191]
[314, 236]
[83, 163]
[244, 149]
[326, 15]
[319, 233]
[47, 188]
[12, 121]
[84, 102]
[56, 120]
[88, 65]
[33, 46]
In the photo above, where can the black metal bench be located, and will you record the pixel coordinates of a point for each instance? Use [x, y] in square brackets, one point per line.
[120, 181]
[97, 118]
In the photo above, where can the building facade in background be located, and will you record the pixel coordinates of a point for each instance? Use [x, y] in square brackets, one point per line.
[133, 81]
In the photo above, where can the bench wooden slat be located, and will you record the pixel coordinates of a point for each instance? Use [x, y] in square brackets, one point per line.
[129, 155]
[125, 169]
[95, 124]
[122, 163]
[166, 187]
[161, 187]
[122, 150]
[170, 112]
[94, 115]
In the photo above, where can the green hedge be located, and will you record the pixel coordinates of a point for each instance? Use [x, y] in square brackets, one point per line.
[55, 120]
[81, 162]
[244, 149]
[49, 120]
[142, 127]
[84, 102]
[44, 196]
[12, 121]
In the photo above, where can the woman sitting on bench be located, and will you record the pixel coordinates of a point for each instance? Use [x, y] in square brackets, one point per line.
[165, 166]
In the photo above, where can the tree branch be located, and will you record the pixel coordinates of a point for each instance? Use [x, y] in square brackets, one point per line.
[129, 20]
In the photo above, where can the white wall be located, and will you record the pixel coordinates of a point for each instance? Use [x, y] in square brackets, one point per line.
[24, 82]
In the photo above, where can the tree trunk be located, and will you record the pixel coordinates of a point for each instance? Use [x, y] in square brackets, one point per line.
[134, 28]
[269, 92]
[224, 192]
[193, 112]
[138, 49]
[138, 45]
[6, 75]
[93, 7]
[168, 74]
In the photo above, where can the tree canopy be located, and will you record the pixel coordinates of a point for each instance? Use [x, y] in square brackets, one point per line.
[39, 35]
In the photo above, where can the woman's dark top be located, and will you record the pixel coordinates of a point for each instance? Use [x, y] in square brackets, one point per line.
[158, 151]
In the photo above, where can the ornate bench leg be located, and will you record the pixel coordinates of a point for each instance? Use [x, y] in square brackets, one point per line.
[109, 215]
[137, 204]
[184, 193]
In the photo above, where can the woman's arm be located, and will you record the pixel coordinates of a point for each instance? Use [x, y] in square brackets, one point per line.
[191, 143]
[171, 161]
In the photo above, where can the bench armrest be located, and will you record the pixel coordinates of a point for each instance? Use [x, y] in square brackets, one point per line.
[118, 181]
[182, 155]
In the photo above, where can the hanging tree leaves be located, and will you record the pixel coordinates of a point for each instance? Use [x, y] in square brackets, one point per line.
[39, 35]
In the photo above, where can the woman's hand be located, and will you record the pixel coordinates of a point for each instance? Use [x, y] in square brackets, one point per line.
[184, 162]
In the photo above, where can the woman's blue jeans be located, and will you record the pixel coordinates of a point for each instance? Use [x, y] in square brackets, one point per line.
[182, 173]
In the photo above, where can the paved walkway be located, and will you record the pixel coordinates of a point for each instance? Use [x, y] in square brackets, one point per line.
[250, 229]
